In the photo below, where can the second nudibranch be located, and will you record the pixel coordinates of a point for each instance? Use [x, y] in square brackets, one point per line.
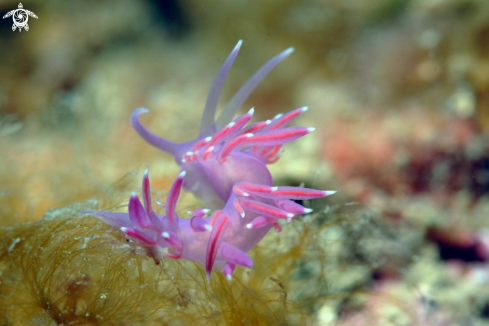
[220, 241]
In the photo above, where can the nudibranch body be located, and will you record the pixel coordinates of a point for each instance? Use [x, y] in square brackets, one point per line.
[225, 166]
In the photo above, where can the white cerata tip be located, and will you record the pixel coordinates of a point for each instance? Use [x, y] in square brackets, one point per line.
[249, 226]
[165, 235]
[146, 172]
[311, 129]
[182, 174]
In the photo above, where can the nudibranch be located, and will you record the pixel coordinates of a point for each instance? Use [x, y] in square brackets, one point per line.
[225, 167]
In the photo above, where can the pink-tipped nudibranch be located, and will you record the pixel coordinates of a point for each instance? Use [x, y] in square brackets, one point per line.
[225, 166]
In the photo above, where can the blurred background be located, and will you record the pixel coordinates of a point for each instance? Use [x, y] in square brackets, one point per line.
[398, 91]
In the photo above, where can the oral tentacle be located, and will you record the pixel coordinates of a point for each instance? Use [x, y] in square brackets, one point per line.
[154, 140]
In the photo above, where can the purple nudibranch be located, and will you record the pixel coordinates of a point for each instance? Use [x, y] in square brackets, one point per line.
[225, 166]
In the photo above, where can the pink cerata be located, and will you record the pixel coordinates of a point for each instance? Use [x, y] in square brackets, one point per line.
[225, 166]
